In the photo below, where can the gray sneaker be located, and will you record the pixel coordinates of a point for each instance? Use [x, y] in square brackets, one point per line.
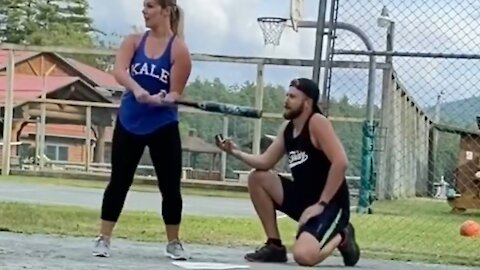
[101, 248]
[175, 251]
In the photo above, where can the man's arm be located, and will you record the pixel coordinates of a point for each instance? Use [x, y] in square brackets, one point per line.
[325, 138]
[267, 159]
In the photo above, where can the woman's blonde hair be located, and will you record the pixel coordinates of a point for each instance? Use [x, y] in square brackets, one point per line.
[177, 16]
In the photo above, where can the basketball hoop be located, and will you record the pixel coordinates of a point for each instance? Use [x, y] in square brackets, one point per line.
[272, 28]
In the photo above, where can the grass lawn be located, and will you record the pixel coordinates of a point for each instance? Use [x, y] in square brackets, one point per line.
[408, 230]
[135, 186]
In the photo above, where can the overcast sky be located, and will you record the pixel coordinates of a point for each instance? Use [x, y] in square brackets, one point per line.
[229, 27]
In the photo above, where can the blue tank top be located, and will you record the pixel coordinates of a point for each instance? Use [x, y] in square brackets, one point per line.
[154, 76]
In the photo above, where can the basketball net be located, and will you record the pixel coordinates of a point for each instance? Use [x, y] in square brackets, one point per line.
[272, 29]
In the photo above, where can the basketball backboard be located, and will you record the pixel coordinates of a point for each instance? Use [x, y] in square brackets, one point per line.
[296, 11]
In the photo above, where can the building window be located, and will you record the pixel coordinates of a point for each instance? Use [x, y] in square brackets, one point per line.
[24, 151]
[57, 152]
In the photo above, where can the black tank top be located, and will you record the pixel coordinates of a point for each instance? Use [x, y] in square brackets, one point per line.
[309, 166]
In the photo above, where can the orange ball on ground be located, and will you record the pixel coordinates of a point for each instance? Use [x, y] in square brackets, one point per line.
[470, 228]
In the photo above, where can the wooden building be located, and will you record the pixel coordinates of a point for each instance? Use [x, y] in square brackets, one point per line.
[465, 193]
[60, 78]
[65, 130]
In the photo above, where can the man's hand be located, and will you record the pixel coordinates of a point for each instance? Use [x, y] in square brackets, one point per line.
[226, 145]
[310, 212]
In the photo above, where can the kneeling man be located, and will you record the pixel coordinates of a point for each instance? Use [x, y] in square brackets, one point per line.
[317, 196]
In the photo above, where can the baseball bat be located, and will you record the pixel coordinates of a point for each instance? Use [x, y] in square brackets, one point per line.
[224, 108]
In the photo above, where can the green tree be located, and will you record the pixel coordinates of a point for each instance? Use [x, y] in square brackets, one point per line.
[16, 20]
[58, 34]
[47, 22]
[67, 12]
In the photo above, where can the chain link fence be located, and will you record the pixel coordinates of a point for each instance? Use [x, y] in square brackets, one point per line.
[421, 177]
[415, 164]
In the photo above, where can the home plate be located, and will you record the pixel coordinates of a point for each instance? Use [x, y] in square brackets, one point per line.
[208, 265]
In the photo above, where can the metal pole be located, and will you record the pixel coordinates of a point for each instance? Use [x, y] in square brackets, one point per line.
[371, 90]
[385, 182]
[367, 173]
[257, 131]
[344, 26]
[433, 149]
[327, 73]
[410, 54]
[367, 180]
[320, 25]
[438, 106]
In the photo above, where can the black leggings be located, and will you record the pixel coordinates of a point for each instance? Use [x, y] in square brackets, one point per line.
[165, 151]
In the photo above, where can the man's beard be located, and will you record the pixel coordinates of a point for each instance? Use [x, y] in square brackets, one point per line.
[292, 114]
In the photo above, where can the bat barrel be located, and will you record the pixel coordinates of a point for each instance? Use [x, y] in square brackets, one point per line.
[253, 113]
[242, 111]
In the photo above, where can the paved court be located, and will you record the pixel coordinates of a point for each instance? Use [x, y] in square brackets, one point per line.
[141, 201]
[54, 253]
[42, 252]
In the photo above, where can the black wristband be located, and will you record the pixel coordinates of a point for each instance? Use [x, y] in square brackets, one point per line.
[323, 203]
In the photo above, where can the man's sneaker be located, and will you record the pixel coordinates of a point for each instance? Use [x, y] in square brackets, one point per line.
[349, 248]
[102, 247]
[175, 251]
[268, 253]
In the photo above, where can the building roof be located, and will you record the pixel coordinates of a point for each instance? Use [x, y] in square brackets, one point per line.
[97, 76]
[100, 77]
[28, 87]
[193, 143]
[198, 145]
[18, 56]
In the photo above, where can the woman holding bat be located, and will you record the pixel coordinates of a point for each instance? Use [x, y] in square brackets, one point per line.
[154, 67]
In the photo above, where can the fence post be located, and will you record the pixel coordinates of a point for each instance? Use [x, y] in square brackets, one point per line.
[385, 120]
[88, 136]
[257, 130]
[367, 170]
[369, 125]
[8, 114]
[223, 166]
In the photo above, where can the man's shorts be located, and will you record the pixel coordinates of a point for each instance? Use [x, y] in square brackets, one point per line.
[323, 227]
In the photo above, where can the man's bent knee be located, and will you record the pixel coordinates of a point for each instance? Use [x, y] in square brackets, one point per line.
[304, 258]
[257, 178]
[262, 183]
[307, 252]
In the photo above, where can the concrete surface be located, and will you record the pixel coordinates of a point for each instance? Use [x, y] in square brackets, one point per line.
[39, 252]
[44, 252]
[142, 201]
